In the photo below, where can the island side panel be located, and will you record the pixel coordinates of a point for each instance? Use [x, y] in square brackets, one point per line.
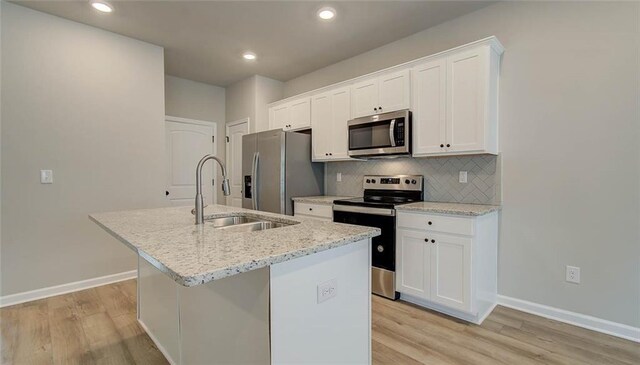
[226, 321]
[158, 309]
[335, 331]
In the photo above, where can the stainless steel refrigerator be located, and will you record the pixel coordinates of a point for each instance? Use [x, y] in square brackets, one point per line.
[276, 166]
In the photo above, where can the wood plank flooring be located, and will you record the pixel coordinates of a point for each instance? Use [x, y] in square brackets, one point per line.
[99, 326]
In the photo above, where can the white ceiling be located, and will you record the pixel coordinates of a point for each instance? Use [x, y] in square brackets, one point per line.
[204, 40]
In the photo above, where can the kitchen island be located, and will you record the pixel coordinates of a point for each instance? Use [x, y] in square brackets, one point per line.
[249, 287]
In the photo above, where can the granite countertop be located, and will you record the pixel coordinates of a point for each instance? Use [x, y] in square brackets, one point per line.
[322, 199]
[473, 210]
[193, 255]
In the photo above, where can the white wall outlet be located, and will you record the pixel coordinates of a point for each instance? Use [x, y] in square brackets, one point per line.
[573, 274]
[339, 176]
[46, 177]
[327, 290]
[463, 177]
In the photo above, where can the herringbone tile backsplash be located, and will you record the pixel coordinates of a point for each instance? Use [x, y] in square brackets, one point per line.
[440, 176]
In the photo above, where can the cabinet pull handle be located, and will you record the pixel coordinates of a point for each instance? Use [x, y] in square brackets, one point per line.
[429, 223]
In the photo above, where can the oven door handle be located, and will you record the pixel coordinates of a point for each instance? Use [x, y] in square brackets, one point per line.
[364, 210]
[392, 136]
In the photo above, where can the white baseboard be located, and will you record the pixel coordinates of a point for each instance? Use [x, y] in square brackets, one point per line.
[155, 340]
[581, 320]
[52, 291]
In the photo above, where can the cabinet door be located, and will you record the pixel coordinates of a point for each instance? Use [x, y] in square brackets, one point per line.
[300, 114]
[279, 117]
[364, 98]
[341, 102]
[450, 268]
[394, 92]
[466, 100]
[429, 105]
[321, 123]
[412, 263]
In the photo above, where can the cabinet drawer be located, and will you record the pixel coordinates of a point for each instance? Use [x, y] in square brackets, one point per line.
[314, 210]
[437, 223]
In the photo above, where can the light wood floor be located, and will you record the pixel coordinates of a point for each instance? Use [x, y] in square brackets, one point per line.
[98, 326]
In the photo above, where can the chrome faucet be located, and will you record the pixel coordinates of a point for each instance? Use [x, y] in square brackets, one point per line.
[199, 212]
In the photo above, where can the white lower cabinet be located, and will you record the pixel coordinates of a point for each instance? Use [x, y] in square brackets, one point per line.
[317, 211]
[448, 263]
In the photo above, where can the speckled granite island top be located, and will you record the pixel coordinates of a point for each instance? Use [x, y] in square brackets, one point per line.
[321, 199]
[192, 255]
[473, 210]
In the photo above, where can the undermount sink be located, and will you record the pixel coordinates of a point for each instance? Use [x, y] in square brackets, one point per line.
[245, 224]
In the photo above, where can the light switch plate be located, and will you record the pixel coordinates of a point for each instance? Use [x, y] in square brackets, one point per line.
[463, 177]
[339, 176]
[46, 177]
[327, 290]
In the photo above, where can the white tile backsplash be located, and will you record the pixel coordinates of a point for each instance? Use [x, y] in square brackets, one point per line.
[440, 175]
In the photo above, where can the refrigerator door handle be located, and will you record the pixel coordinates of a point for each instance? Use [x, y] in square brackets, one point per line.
[254, 181]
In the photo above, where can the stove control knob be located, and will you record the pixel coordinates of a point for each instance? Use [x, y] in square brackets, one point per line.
[414, 182]
[380, 248]
[406, 181]
[373, 181]
[368, 181]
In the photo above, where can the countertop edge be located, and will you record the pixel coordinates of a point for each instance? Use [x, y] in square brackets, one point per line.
[461, 212]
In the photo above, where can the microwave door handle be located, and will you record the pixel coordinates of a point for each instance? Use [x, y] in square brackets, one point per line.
[392, 136]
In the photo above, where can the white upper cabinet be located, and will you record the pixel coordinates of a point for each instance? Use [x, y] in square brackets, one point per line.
[394, 91]
[385, 93]
[293, 115]
[455, 103]
[429, 99]
[330, 112]
[364, 98]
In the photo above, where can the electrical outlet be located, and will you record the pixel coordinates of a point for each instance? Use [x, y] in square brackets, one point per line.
[327, 290]
[46, 177]
[573, 274]
[339, 176]
[463, 177]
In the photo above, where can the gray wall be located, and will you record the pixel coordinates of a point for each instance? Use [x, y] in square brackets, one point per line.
[196, 100]
[89, 105]
[249, 98]
[440, 177]
[570, 145]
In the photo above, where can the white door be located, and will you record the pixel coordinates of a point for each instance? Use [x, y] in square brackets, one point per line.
[394, 93]
[321, 126]
[235, 131]
[466, 93]
[412, 260]
[187, 141]
[300, 114]
[429, 100]
[341, 113]
[364, 98]
[280, 116]
[451, 271]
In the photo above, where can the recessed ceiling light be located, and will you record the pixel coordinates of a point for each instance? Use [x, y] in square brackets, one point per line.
[102, 6]
[327, 13]
[249, 56]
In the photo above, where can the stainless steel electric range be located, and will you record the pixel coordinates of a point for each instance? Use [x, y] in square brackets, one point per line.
[382, 193]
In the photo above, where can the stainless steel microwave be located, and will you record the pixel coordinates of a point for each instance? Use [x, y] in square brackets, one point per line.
[381, 135]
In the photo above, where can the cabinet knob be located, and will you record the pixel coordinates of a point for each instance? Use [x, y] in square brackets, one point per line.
[429, 223]
[448, 145]
[330, 154]
[426, 240]
[379, 108]
[441, 146]
[375, 109]
[433, 241]
[310, 208]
